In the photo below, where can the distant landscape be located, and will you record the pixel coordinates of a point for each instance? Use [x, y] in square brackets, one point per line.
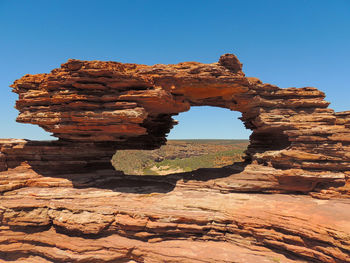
[180, 156]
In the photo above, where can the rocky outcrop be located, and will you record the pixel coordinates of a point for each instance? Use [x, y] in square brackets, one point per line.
[131, 106]
[66, 224]
[62, 201]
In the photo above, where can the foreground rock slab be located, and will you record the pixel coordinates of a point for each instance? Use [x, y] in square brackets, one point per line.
[60, 224]
[208, 215]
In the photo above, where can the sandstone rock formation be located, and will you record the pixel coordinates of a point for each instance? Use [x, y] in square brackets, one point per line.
[62, 201]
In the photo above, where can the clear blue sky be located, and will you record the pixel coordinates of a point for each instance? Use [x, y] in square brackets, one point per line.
[290, 43]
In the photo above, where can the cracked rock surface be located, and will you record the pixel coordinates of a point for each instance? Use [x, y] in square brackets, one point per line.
[62, 201]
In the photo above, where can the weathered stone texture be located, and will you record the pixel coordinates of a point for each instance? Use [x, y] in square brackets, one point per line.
[94, 101]
[61, 201]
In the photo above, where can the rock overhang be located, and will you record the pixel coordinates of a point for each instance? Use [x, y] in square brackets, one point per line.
[110, 101]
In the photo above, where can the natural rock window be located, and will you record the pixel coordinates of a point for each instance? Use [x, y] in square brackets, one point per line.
[62, 201]
[205, 137]
[96, 108]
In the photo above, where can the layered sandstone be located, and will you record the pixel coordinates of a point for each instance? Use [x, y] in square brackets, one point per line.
[133, 105]
[113, 224]
[62, 201]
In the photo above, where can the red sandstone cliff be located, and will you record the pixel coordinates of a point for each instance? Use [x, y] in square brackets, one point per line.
[61, 201]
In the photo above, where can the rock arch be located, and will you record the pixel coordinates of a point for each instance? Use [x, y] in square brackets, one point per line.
[62, 201]
[130, 106]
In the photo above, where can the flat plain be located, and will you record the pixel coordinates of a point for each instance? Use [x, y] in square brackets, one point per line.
[180, 156]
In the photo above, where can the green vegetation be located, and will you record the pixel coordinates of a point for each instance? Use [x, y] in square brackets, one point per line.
[180, 156]
[218, 159]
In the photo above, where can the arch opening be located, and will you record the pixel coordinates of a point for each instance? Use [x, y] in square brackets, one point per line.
[205, 137]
